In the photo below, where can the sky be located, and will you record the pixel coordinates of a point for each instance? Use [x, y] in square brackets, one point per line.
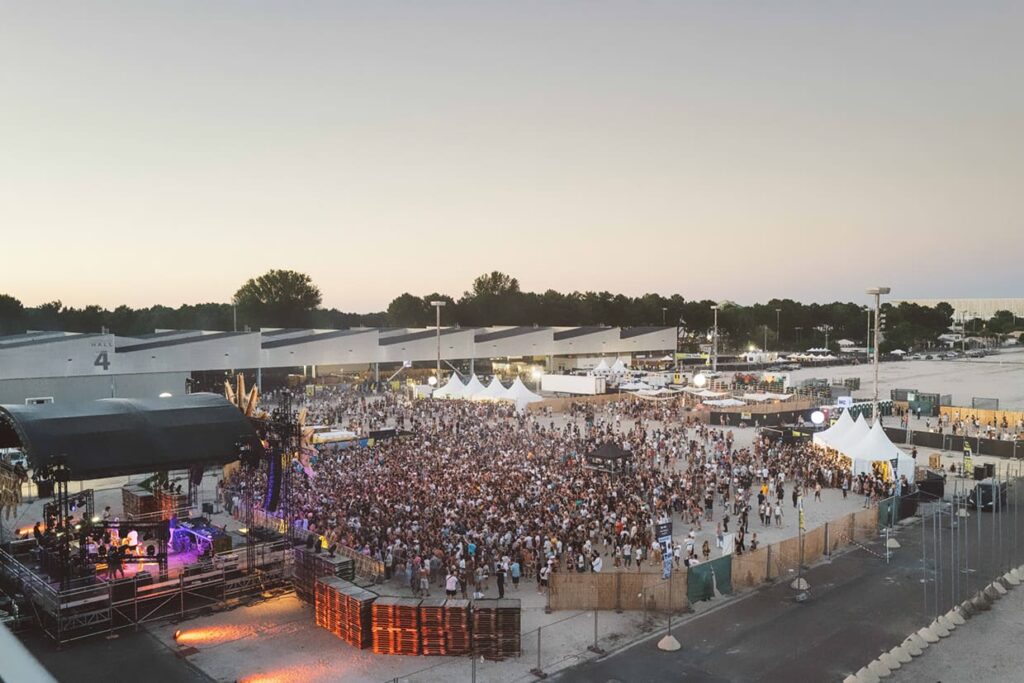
[164, 152]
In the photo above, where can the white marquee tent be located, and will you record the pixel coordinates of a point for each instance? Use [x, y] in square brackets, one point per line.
[454, 388]
[828, 436]
[618, 367]
[473, 388]
[876, 447]
[495, 391]
[853, 435]
[600, 367]
[521, 395]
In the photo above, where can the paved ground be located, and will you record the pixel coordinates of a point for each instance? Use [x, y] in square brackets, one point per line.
[986, 649]
[859, 607]
[998, 376]
[132, 656]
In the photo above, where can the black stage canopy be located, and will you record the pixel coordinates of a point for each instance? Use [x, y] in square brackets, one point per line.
[118, 436]
[608, 457]
[608, 451]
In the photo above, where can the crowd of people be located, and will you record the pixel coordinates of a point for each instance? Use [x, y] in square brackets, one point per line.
[480, 491]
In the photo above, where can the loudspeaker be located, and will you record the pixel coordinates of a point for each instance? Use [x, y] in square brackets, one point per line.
[274, 476]
[207, 508]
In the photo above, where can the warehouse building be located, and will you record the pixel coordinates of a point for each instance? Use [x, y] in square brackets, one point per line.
[59, 366]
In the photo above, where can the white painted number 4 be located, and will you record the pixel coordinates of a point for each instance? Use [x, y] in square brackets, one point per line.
[102, 361]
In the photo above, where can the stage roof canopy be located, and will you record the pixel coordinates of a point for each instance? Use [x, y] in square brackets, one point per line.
[116, 436]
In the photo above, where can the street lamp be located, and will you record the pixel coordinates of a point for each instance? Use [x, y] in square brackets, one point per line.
[826, 328]
[714, 340]
[877, 292]
[778, 329]
[437, 307]
[664, 309]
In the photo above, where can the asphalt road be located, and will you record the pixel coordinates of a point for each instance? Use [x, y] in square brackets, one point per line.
[859, 606]
[133, 656]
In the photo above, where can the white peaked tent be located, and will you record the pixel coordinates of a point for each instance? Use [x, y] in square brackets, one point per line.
[473, 388]
[600, 367]
[833, 433]
[521, 395]
[495, 391]
[853, 435]
[618, 367]
[876, 447]
[454, 388]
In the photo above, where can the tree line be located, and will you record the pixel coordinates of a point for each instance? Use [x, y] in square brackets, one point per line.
[284, 298]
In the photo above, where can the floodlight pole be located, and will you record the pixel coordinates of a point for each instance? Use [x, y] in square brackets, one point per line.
[714, 341]
[778, 330]
[437, 307]
[877, 292]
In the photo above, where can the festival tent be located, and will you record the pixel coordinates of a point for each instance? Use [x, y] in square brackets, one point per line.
[828, 436]
[724, 403]
[495, 391]
[655, 393]
[846, 441]
[601, 367]
[765, 396]
[521, 395]
[473, 387]
[453, 389]
[619, 367]
[876, 447]
[634, 386]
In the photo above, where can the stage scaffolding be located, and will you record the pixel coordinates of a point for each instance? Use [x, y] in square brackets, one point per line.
[92, 606]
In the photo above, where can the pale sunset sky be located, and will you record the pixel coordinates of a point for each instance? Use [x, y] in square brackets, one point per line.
[163, 152]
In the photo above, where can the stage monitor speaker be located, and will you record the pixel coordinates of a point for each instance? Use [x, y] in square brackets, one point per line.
[207, 508]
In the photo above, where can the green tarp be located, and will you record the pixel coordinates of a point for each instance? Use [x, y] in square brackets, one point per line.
[703, 579]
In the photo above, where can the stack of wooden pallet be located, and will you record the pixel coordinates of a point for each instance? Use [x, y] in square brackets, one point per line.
[457, 627]
[396, 626]
[496, 625]
[406, 636]
[310, 566]
[345, 610]
[137, 502]
[358, 615]
[383, 623]
[432, 636]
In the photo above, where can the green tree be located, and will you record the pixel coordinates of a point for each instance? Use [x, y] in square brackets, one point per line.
[11, 315]
[283, 298]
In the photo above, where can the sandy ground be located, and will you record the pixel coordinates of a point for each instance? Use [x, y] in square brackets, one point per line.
[998, 376]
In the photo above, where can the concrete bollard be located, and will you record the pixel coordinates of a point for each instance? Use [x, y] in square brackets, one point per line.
[999, 588]
[928, 636]
[1011, 579]
[967, 609]
[890, 661]
[879, 669]
[956, 617]
[938, 629]
[946, 623]
[901, 654]
[866, 676]
[915, 642]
